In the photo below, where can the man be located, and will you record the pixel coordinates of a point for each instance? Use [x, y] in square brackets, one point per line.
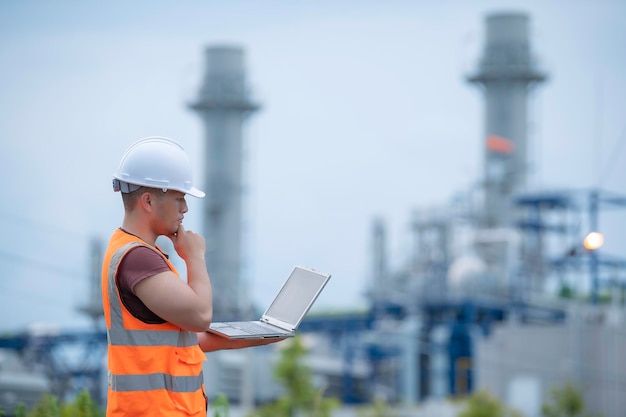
[156, 322]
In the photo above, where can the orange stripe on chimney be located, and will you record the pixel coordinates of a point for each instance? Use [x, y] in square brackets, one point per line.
[499, 144]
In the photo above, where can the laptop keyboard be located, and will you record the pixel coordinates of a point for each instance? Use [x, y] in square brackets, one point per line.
[253, 327]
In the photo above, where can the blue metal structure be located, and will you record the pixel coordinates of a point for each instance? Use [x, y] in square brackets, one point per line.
[585, 203]
[72, 360]
[461, 317]
[341, 330]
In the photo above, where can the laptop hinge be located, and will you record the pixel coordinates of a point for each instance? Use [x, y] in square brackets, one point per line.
[277, 323]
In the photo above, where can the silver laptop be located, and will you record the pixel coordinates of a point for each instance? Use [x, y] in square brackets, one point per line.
[284, 315]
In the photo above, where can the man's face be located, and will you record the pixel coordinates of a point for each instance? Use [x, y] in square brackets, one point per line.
[169, 209]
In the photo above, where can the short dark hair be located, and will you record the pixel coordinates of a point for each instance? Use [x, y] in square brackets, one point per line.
[130, 199]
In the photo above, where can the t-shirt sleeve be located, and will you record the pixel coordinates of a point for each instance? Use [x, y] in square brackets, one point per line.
[139, 263]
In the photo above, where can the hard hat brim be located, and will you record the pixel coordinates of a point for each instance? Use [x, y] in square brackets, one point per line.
[194, 192]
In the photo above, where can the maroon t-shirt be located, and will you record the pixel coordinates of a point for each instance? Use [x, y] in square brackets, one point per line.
[139, 263]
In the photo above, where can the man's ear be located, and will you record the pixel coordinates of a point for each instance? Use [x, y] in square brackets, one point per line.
[146, 200]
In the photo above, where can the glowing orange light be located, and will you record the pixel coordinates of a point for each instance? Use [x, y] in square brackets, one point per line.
[593, 241]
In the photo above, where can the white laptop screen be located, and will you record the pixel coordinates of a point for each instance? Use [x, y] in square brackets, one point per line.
[296, 296]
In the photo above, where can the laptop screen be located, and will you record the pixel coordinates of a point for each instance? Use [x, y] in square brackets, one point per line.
[297, 295]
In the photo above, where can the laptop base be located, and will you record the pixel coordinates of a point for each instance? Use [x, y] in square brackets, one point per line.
[230, 330]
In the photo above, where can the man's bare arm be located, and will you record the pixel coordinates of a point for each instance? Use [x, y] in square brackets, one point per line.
[188, 305]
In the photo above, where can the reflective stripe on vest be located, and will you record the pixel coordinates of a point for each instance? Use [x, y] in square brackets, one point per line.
[125, 383]
[116, 309]
[121, 337]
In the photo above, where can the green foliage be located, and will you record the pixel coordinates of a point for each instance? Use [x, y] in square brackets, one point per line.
[301, 397]
[565, 402]
[567, 292]
[220, 406]
[20, 410]
[49, 406]
[483, 404]
[83, 406]
[379, 408]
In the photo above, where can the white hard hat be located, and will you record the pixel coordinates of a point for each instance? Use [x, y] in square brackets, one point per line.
[155, 162]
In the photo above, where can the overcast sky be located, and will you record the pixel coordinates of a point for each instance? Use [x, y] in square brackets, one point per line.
[365, 113]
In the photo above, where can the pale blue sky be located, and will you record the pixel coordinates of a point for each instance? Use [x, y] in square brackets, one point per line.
[365, 113]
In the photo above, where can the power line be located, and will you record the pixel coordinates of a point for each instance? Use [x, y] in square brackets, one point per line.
[38, 264]
[50, 299]
[41, 226]
[50, 231]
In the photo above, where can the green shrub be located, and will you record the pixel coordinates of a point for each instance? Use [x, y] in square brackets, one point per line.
[301, 396]
[49, 406]
[566, 401]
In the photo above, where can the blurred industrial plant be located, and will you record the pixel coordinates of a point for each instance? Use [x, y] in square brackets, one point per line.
[489, 298]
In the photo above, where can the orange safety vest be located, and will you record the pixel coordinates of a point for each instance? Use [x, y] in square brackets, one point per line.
[153, 369]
